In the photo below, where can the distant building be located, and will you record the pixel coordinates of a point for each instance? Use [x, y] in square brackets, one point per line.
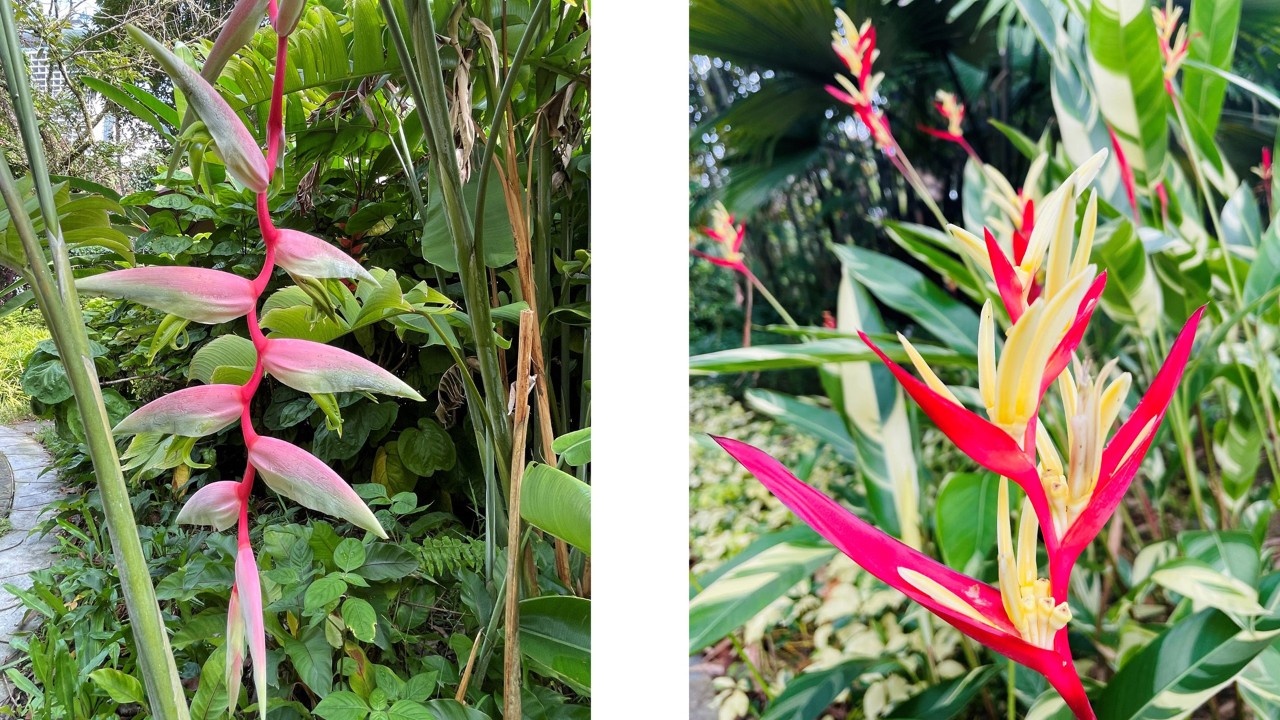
[45, 76]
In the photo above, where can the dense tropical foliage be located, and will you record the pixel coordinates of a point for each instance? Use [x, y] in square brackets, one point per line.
[984, 109]
[445, 151]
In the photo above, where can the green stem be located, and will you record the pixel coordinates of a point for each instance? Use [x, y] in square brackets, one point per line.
[1012, 697]
[768, 296]
[434, 106]
[61, 307]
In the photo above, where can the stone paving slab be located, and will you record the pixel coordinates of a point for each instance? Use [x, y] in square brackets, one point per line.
[29, 491]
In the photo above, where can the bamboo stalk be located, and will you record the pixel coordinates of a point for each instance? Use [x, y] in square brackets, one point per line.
[60, 306]
[520, 430]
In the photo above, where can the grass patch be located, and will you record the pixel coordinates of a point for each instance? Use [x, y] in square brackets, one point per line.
[19, 333]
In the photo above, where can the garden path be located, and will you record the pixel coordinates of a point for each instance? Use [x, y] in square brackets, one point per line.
[24, 493]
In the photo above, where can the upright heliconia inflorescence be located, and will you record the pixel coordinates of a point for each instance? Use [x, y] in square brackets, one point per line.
[727, 235]
[1073, 483]
[211, 296]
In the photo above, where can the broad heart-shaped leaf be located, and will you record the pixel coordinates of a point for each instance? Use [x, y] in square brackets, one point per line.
[427, 448]
[1128, 73]
[810, 693]
[558, 503]
[197, 294]
[946, 699]
[190, 412]
[301, 477]
[342, 705]
[1189, 663]
[216, 504]
[906, 290]
[555, 636]
[236, 146]
[737, 596]
[303, 254]
[313, 659]
[318, 368]
[812, 354]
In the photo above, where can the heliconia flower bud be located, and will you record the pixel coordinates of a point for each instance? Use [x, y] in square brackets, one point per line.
[216, 504]
[250, 587]
[303, 478]
[190, 412]
[235, 650]
[288, 13]
[236, 146]
[238, 31]
[303, 254]
[197, 294]
[316, 368]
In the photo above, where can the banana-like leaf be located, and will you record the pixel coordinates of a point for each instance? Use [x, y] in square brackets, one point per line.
[809, 694]
[1212, 27]
[908, 291]
[1189, 663]
[1133, 292]
[875, 412]
[735, 597]
[557, 503]
[1128, 75]
[965, 519]
[813, 354]
[555, 637]
[946, 699]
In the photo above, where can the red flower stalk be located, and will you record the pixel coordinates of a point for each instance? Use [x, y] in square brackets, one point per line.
[952, 110]
[1126, 175]
[857, 48]
[1174, 41]
[1067, 500]
[211, 296]
[728, 236]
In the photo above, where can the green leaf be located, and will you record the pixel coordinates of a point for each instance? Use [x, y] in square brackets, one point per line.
[574, 448]
[1128, 71]
[555, 635]
[349, 554]
[965, 515]
[450, 709]
[1188, 664]
[814, 354]
[1212, 29]
[122, 688]
[322, 593]
[313, 659]
[226, 351]
[735, 597]
[47, 382]
[385, 561]
[1206, 587]
[811, 693]
[1133, 293]
[499, 243]
[409, 710]
[946, 699]
[1264, 273]
[908, 291]
[819, 422]
[360, 618]
[342, 705]
[210, 699]
[557, 503]
[426, 449]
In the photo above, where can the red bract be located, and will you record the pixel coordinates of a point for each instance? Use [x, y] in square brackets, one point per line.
[728, 236]
[1067, 503]
[1126, 173]
[211, 296]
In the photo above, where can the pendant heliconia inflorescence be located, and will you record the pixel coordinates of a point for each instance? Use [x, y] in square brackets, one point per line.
[212, 296]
